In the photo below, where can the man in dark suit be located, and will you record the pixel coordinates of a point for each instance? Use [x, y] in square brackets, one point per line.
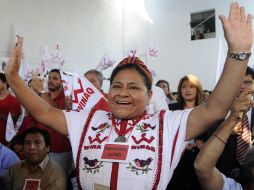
[228, 160]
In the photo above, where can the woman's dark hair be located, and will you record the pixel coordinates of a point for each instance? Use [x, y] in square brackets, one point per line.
[249, 71]
[147, 82]
[35, 130]
[3, 79]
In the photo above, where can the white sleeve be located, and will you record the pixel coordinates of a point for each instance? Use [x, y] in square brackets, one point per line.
[177, 126]
[230, 184]
[75, 124]
[158, 101]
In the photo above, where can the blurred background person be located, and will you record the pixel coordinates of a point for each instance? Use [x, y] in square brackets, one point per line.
[209, 176]
[37, 166]
[190, 94]
[96, 78]
[164, 85]
[8, 104]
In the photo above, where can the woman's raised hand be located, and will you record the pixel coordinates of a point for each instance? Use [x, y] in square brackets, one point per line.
[238, 29]
[14, 62]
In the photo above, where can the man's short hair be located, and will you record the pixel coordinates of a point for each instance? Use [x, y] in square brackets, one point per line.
[56, 71]
[162, 81]
[3, 79]
[250, 71]
[35, 130]
[97, 73]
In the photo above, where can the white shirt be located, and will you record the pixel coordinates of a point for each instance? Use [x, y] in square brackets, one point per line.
[230, 184]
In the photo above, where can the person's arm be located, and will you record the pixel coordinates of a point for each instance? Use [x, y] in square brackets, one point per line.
[238, 33]
[36, 85]
[209, 177]
[39, 108]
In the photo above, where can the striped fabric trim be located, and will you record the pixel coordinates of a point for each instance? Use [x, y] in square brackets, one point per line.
[160, 149]
[82, 138]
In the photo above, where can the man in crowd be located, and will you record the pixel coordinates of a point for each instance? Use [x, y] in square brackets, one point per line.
[8, 104]
[235, 150]
[164, 85]
[60, 147]
[96, 78]
[38, 169]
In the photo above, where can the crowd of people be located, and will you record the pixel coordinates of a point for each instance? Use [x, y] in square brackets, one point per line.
[139, 136]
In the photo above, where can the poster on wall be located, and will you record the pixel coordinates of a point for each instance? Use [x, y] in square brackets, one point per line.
[202, 24]
[3, 62]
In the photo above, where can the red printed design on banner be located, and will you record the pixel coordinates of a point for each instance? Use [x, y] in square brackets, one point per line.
[78, 91]
[97, 139]
[143, 139]
[85, 98]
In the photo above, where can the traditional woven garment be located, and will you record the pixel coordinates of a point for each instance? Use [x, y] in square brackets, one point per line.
[157, 142]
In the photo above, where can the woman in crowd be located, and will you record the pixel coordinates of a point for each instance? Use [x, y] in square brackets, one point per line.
[156, 141]
[189, 92]
[212, 179]
[189, 96]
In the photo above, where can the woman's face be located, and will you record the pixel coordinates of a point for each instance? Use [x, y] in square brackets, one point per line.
[188, 91]
[128, 96]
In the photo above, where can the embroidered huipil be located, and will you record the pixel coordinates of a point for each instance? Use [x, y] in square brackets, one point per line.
[157, 142]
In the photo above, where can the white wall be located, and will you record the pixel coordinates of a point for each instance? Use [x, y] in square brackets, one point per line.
[86, 29]
[179, 55]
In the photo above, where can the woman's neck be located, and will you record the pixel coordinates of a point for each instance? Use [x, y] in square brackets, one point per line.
[189, 104]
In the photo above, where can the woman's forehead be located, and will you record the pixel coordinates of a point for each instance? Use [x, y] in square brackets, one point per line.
[130, 75]
[188, 82]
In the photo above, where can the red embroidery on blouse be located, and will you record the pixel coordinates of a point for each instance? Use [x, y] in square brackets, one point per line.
[147, 147]
[82, 138]
[159, 163]
[97, 139]
[143, 139]
[101, 128]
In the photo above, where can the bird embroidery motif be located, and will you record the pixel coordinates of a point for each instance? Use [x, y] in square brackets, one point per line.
[145, 127]
[92, 166]
[139, 165]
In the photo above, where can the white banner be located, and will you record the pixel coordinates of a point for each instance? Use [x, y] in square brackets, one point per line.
[10, 130]
[85, 95]
[67, 80]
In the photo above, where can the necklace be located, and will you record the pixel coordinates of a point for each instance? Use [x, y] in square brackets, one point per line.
[123, 128]
[120, 139]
